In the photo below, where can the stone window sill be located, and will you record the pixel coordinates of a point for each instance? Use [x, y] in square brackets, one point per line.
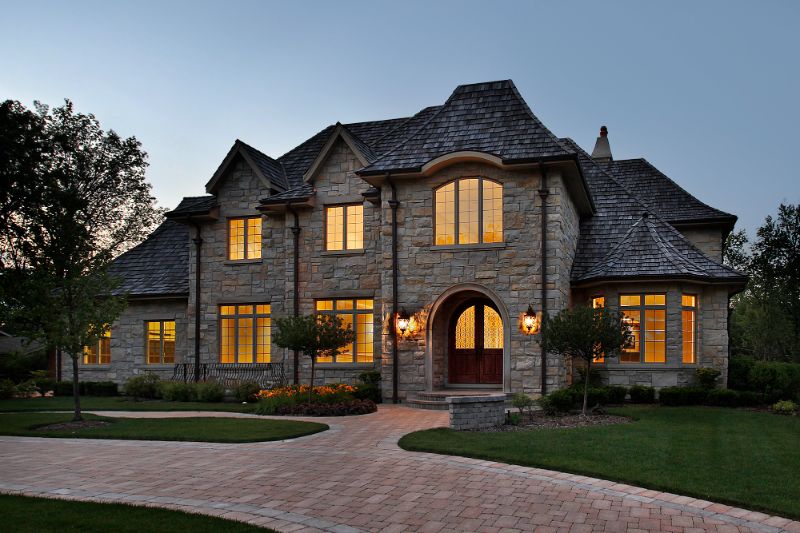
[345, 366]
[343, 252]
[468, 247]
[233, 262]
[643, 366]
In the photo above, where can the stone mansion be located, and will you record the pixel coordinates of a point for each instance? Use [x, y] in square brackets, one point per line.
[441, 238]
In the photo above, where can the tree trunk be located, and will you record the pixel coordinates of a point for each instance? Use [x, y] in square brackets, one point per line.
[586, 386]
[313, 368]
[76, 417]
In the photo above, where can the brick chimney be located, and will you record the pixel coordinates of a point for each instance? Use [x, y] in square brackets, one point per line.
[602, 150]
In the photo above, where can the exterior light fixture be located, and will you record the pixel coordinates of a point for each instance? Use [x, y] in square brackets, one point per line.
[403, 321]
[530, 322]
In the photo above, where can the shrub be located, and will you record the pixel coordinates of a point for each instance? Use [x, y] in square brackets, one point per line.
[210, 392]
[675, 396]
[560, 401]
[750, 399]
[143, 386]
[775, 380]
[595, 396]
[26, 389]
[784, 407]
[739, 368]
[63, 388]
[246, 391]
[269, 405]
[616, 393]
[368, 391]
[45, 385]
[642, 394]
[18, 366]
[98, 388]
[707, 377]
[7, 389]
[353, 407]
[370, 377]
[514, 419]
[522, 402]
[178, 391]
[724, 398]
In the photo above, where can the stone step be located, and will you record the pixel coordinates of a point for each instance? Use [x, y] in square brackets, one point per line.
[437, 400]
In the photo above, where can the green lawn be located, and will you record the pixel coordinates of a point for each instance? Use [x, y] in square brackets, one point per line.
[97, 403]
[37, 515]
[745, 458]
[189, 429]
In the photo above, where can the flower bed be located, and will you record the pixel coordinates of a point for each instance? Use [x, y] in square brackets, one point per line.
[326, 400]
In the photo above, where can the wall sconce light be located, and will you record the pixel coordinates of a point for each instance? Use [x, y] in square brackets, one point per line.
[403, 322]
[530, 321]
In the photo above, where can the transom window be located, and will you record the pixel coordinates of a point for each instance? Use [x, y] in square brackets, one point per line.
[244, 238]
[357, 314]
[160, 342]
[245, 333]
[98, 353]
[653, 309]
[344, 227]
[469, 211]
[689, 327]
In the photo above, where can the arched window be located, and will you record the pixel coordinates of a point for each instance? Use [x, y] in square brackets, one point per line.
[469, 211]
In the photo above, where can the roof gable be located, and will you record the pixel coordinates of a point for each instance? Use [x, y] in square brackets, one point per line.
[362, 151]
[269, 171]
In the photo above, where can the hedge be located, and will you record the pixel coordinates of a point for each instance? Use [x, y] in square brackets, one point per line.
[86, 388]
[776, 381]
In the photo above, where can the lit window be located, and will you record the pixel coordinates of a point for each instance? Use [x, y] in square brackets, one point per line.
[244, 238]
[358, 315]
[98, 353]
[597, 303]
[689, 327]
[344, 227]
[245, 333]
[653, 347]
[468, 211]
[160, 342]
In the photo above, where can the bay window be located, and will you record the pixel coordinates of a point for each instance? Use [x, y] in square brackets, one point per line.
[689, 328]
[645, 314]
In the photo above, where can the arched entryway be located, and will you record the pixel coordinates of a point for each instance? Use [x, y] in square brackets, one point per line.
[475, 347]
[474, 352]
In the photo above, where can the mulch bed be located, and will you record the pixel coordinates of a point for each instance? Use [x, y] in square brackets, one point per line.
[539, 420]
[68, 426]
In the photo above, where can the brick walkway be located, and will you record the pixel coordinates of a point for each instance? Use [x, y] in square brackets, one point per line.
[352, 478]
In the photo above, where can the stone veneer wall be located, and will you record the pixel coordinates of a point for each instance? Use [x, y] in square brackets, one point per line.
[128, 342]
[712, 334]
[708, 241]
[476, 412]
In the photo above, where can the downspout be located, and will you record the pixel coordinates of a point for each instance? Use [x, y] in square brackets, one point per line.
[393, 203]
[198, 243]
[543, 193]
[296, 284]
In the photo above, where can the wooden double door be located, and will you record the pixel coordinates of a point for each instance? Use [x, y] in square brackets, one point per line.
[475, 353]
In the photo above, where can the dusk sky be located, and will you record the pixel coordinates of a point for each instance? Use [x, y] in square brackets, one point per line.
[706, 91]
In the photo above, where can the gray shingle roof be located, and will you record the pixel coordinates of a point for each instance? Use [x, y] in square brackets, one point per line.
[302, 192]
[487, 117]
[662, 195]
[159, 266]
[625, 239]
[193, 205]
[272, 169]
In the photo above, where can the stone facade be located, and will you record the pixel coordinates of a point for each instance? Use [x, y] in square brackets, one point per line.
[708, 241]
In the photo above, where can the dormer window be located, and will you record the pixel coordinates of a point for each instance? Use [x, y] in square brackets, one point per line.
[344, 227]
[469, 211]
[244, 238]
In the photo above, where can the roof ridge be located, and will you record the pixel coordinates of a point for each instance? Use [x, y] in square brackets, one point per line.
[669, 247]
[406, 121]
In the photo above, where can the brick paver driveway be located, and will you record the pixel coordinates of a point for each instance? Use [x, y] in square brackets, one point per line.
[352, 478]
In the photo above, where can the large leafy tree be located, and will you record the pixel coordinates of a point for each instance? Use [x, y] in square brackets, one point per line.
[585, 334]
[315, 336]
[73, 197]
[765, 321]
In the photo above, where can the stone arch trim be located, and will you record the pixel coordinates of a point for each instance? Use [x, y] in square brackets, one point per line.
[435, 315]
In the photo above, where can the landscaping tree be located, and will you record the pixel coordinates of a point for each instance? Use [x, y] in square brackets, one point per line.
[585, 334]
[314, 335]
[73, 198]
[765, 319]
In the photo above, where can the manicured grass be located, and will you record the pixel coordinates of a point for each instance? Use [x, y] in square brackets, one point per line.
[98, 403]
[189, 429]
[746, 458]
[36, 515]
